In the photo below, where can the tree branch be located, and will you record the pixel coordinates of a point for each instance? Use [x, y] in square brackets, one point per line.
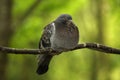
[93, 46]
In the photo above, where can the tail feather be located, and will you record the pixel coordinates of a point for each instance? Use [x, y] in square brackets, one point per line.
[43, 63]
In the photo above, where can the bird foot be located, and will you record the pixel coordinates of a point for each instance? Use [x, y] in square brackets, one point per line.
[53, 52]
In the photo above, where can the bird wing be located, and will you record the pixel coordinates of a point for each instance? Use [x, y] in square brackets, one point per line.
[45, 39]
[44, 59]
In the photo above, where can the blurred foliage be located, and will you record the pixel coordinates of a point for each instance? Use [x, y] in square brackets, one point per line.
[74, 65]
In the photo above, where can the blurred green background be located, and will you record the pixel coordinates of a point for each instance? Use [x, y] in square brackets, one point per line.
[21, 25]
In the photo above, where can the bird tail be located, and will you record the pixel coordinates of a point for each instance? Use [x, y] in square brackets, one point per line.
[43, 63]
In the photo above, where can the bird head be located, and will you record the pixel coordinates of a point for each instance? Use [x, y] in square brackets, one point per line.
[64, 18]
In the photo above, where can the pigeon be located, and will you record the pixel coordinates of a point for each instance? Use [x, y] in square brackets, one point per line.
[61, 34]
